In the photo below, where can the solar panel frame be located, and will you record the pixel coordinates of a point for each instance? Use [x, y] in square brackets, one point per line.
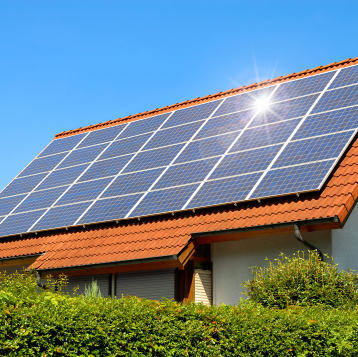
[28, 194]
[288, 109]
[99, 154]
[122, 170]
[302, 87]
[205, 148]
[327, 104]
[345, 77]
[293, 133]
[219, 103]
[315, 148]
[226, 152]
[129, 215]
[72, 140]
[5, 209]
[32, 182]
[295, 174]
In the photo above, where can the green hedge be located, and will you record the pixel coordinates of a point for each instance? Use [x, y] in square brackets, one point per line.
[53, 324]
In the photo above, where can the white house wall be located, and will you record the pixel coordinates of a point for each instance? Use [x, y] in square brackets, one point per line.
[232, 260]
[345, 243]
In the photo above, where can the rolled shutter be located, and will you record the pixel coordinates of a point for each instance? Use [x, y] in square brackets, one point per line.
[103, 282]
[149, 284]
[203, 286]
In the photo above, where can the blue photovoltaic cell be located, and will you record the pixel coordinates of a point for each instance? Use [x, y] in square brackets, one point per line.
[102, 135]
[125, 146]
[292, 108]
[173, 135]
[201, 149]
[132, 183]
[225, 124]
[226, 190]
[62, 216]
[153, 158]
[22, 185]
[186, 173]
[82, 156]
[19, 223]
[110, 167]
[245, 162]
[144, 126]
[304, 86]
[315, 149]
[40, 199]
[265, 135]
[110, 209]
[337, 98]
[85, 191]
[9, 203]
[62, 177]
[61, 145]
[329, 122]
[190, 114]
[345, 77]
[166, 200]
[43, 164]
[292, 179]
[243, 101]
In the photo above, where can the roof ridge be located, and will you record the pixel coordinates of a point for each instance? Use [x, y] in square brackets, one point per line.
[207, 98]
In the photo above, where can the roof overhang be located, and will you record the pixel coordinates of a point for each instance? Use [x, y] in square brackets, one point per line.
[179, 260]
[308, 225]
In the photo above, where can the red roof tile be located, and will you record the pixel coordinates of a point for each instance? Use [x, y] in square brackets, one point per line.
[168, 235]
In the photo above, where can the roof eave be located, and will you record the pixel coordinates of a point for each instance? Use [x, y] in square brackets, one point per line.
[196, 237]
[307, 222]
[108, 264]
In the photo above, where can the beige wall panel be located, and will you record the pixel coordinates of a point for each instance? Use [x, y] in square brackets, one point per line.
[232, 260]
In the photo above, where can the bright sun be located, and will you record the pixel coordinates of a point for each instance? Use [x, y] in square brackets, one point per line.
[262, 104]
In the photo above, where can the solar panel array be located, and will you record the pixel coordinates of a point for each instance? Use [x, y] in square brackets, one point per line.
[214, 153]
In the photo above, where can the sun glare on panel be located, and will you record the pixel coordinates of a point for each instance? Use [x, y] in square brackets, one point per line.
[262, 104]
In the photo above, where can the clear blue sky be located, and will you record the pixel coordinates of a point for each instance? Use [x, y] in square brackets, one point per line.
[70, 63]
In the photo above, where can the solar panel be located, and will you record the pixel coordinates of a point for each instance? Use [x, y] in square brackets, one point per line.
[9, 203]
[265, 135]
[62, 177]
[214, 153]
[105, 168]
[292, 108]
[246, 161]
[204, 148]
[345, 77]
[84, 191]
[126, 184]
[304, 86]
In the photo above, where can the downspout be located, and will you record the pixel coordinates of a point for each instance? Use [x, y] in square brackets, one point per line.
[39, 282]
[303, 241]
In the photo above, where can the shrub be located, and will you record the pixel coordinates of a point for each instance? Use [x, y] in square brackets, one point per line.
[57, 324]
[93, 290]
[302, 280]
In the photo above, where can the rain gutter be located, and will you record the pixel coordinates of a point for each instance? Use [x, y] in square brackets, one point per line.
[110, 264]
[307, 222]
[21, 257]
